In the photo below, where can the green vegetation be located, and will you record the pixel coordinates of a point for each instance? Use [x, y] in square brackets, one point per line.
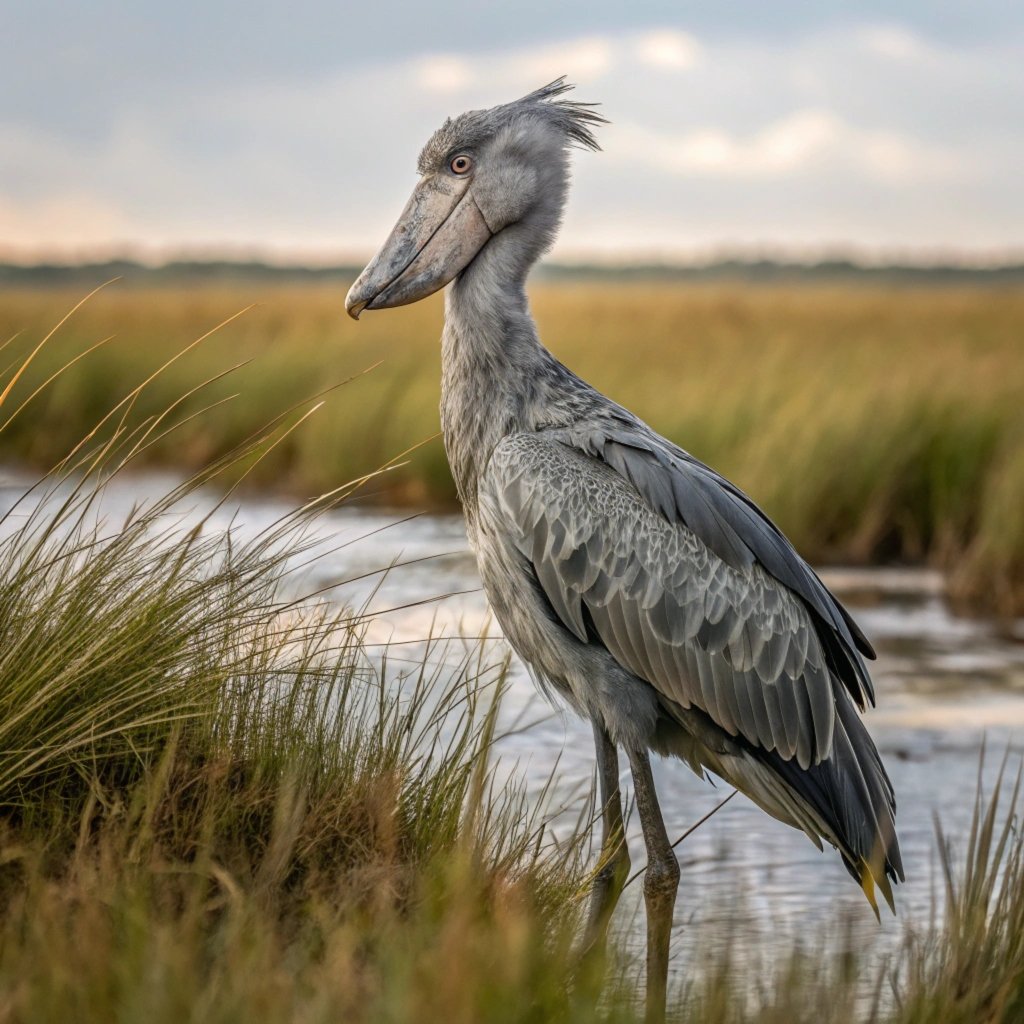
[217, 806]
[873, 424]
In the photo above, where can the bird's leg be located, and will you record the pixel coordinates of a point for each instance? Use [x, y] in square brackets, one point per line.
[614, 859]
[661, 881]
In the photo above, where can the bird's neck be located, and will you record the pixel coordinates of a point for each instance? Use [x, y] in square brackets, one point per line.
[493, 366]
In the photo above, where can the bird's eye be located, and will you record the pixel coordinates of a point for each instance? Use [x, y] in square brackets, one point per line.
[461, 164]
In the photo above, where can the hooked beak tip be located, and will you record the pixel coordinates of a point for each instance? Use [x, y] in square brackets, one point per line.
[355, 302]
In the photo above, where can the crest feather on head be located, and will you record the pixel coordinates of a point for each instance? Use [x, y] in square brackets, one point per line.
[577, 119]
[574, 119]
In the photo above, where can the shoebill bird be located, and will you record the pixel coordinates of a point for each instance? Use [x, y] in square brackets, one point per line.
[645, 590]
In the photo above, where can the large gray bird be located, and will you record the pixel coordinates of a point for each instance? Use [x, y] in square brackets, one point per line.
[635, 582]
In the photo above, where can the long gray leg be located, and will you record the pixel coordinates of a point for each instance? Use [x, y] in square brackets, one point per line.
[614, 862]
[661, 881]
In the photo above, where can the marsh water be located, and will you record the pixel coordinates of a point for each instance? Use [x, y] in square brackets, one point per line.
[945, 686]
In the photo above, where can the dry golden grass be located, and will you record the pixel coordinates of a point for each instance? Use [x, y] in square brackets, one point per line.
[874, 424]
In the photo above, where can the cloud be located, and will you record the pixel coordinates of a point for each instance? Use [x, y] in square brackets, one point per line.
[872, 135]
[668, 48]
[894, 42]
[63, 221]
[584, 59]
[444, 73]
[798, 143]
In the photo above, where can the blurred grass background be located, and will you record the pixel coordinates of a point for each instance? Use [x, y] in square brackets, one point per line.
[874, 423]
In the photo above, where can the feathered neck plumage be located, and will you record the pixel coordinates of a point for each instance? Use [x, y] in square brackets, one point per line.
[490, 351]
[493, 365]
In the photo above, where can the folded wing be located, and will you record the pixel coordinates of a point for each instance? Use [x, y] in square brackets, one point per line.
[731, 641]
[702, 597]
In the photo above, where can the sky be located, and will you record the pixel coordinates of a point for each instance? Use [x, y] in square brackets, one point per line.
[882, 130]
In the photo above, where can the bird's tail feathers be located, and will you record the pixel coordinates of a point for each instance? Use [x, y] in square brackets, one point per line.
[846, 799]
[850, 798]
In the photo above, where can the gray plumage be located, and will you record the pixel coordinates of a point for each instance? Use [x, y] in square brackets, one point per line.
[636, 583]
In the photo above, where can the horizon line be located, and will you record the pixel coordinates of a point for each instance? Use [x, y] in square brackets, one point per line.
[851, 257]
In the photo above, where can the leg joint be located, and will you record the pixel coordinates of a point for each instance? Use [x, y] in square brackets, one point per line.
[662, 876]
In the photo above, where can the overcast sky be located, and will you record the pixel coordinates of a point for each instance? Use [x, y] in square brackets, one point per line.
[885, 128]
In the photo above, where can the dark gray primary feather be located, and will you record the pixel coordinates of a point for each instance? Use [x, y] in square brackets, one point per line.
[852, 794]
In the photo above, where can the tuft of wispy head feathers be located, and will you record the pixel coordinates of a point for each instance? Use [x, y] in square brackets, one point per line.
[576, 119]
[474, 128]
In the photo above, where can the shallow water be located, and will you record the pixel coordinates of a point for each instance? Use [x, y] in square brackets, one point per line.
[944, 685]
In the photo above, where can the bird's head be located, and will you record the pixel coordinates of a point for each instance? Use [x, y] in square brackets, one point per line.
[502, 171]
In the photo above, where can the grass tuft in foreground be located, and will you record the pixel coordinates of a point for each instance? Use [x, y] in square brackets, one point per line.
[217, 803]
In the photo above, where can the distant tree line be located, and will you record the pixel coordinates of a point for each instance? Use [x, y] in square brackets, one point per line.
[756, 271]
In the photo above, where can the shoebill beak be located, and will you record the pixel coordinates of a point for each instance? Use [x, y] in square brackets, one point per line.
[439, 232]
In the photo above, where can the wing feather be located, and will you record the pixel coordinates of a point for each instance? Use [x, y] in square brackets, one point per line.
[729, 639]
[729, 524]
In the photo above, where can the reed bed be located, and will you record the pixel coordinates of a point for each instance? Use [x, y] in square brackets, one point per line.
[875, 424]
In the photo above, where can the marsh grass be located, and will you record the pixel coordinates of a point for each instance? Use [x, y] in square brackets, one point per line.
[875, 424]
[217, 804]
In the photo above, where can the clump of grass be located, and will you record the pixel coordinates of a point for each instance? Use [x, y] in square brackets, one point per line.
[216, 803]
[972, 968]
